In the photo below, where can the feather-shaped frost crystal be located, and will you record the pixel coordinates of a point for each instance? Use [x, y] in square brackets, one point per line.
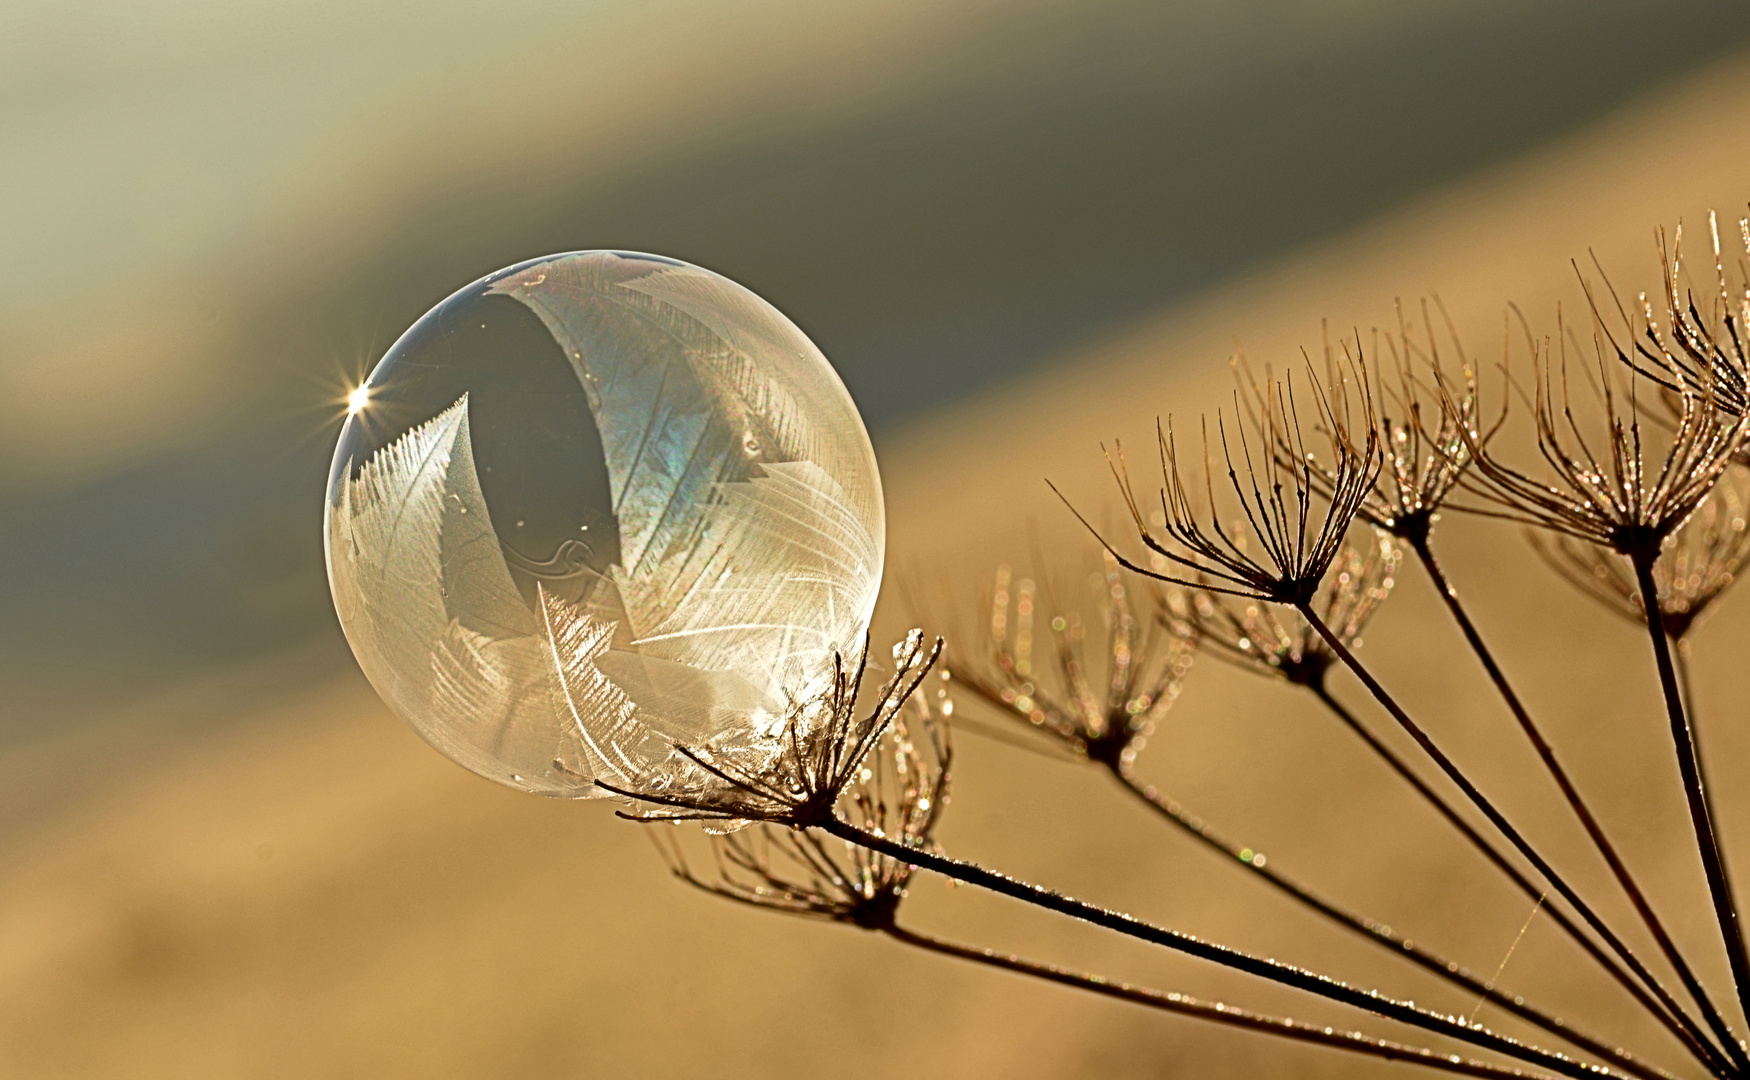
[595, 505]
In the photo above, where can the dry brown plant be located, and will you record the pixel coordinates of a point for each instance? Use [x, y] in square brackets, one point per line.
[1272, 552]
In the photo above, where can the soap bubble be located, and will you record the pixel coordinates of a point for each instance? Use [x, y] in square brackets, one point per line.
[594, 505]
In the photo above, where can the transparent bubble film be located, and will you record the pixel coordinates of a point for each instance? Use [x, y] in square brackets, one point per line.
[597, 504]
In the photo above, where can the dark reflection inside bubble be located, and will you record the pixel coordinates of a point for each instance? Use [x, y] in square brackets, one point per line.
[537, 449]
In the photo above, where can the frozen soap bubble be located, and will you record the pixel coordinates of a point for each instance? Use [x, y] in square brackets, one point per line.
[597, 504]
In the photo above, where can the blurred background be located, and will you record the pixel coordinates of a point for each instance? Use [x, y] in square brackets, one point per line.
[1017, 227]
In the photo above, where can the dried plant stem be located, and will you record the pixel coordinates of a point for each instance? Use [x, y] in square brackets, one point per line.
[1380, 934]
[1419, 542]
[1680, 657]
[1680, 649]
[1688, 1035]
[1689, 766]
[1274, 971]
[1695, 1039]
[1232, 1016]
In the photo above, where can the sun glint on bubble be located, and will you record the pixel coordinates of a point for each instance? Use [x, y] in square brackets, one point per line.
[357, 400]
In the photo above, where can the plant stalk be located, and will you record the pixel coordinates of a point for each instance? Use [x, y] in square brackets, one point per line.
[1419, 542]
[1513, 836]
[1682, 1027]
[1383, 936]
[1283, 974]
[1182, 1005]
[1680, 649]
[1695, 790]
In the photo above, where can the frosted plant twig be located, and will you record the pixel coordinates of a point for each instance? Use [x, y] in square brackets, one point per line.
[1196, 550]
[1101, 694]
[896, 802]
[1631, 498]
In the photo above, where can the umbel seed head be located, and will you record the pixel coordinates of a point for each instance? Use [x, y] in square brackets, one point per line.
[1423, 444]
[899, 792]
[1698, 563]
[1611, 477]
[795, 775]
[1097, 678]
[1701, 339]
[1294, 522]
[1261, 638]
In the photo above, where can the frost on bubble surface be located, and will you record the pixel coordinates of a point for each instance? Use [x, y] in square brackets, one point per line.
[598, 504]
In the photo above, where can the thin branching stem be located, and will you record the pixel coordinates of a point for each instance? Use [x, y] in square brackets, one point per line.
[1680, 651]
[1697, 1042]
[1182, 1005]
[1695, 791]
[1106, 740]
[1684, 1028]
[1419, 542]
[1271, 970]
[1376, 932]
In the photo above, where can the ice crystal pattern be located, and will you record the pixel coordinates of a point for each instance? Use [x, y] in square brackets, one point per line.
[598, 505]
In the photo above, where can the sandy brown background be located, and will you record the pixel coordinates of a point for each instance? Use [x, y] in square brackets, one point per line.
[251, 869]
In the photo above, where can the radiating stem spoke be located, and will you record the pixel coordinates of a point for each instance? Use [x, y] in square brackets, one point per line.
[1695, 791]
[1377, 933]
[1696, 1041]
[1274, 971]
[1571, 793]
[1680, 651]
[1687, 1033]
[1281, 1027]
